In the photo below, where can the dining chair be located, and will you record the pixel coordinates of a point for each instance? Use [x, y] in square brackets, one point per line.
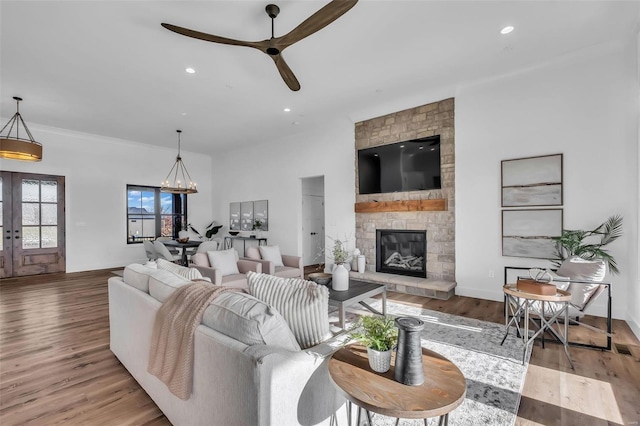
[172, 250]
[163, 252]
[208, 246]
[150, 250]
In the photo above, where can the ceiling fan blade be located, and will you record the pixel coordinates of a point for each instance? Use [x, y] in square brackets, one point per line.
[316, 22]
[213, 38]
[286, 73]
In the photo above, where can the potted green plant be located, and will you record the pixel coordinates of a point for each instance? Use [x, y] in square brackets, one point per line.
[589, 244]
[379, 335]
[340, 273]
[211, 230]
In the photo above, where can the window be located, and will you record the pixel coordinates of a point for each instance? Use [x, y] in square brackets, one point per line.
[152, 214]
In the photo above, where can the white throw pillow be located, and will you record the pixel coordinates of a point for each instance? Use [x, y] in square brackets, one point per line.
[303, 304]
[188, 273]
[225, 261]
[272, 254]
[586, 270]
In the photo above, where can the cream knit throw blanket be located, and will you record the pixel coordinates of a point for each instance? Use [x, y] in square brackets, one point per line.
[171, 354]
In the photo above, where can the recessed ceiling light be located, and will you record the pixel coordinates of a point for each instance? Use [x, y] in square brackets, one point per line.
[295, 123]
[422, 147]
[506, 30]
[287, 110]
[190, 70]
[433, 149]
[184, 113]
[401, 146]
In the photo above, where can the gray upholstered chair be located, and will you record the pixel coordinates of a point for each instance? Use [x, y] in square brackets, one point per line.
[206, 246]
[224, 267]
[164, 252]
[150, 250]
[274, 263]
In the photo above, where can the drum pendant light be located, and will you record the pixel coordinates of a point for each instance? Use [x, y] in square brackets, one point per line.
[15, 147]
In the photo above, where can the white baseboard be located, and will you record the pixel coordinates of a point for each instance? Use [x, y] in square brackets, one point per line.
[634, 325]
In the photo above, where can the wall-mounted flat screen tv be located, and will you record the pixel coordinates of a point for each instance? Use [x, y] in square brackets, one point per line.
[403, 166]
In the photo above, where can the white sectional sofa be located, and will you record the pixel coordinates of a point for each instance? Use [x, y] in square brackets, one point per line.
[247, 369]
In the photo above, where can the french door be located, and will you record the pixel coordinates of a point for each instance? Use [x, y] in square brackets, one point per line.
[31, 224]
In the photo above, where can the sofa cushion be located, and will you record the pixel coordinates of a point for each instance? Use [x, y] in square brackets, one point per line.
[137, 275]
[272, 254]
[249, 320]
[303, 304]
[581, 269]
[224, 260]
[163, 283]
[188, 273]
[253, 253]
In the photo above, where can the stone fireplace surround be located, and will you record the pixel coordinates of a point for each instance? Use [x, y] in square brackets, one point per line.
[428, 120]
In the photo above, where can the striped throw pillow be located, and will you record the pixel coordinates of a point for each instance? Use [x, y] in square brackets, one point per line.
[303, 304]
[188, 273]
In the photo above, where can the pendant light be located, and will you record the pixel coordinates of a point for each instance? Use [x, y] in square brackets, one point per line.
[178, 180]
[15, 147]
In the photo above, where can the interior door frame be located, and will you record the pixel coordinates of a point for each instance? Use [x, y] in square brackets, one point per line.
[18, 261]
[6, 260]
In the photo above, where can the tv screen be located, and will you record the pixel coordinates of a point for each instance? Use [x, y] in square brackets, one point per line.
[403, 166]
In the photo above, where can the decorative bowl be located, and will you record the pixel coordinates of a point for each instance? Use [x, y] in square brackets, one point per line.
[321, 278]
[234, 233]
[183, 240]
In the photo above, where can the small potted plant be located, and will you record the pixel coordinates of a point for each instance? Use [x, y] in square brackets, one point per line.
[379, 335]
[340, 272]
[257, 227]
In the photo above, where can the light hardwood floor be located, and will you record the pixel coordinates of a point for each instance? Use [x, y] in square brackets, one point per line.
[56, 367]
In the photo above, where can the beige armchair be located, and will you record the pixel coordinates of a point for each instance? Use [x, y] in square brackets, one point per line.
[274, 263]
[224, 267]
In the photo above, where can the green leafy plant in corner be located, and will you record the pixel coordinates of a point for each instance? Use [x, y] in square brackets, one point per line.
[589, 244]
[375, 332]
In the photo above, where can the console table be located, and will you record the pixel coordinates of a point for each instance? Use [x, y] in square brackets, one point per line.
[443, 390]
[228, 242]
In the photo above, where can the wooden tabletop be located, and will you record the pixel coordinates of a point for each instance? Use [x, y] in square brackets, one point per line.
[560, 296]
[443, 390]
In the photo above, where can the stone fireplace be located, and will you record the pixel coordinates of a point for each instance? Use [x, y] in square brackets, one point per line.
[412, 210]
[401, 252]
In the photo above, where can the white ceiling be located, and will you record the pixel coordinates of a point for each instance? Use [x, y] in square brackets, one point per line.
[109, 68]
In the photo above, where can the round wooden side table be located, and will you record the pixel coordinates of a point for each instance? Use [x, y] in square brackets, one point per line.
[443, 390]
[521, 303]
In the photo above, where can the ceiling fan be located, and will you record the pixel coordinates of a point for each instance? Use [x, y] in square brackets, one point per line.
[275, 45]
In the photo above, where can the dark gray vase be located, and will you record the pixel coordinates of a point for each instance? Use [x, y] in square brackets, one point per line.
[409, 369]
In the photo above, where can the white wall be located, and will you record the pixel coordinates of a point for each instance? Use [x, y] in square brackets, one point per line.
[97, 170]
[273, 170]
[580, 106]
[634, 291]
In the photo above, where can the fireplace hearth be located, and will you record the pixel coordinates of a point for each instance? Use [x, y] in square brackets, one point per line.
[402, 252]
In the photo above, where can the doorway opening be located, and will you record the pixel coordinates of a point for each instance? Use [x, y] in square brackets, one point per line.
[313, 222]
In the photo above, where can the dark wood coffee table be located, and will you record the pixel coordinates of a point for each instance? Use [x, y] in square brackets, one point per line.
[358, 291]
[443, 390]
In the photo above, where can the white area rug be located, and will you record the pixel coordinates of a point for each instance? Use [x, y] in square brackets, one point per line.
[494, 373]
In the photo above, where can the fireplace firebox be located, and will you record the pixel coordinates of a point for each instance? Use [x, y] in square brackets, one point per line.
[402, 252]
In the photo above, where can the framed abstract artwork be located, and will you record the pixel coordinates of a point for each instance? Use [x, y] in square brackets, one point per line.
[532, 181]
[261, 213]
[246, 215]
[528, 233]
[234, 216]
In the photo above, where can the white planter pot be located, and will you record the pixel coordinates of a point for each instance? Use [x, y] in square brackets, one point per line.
[361, 263]
[340, 278]
[380, 362]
